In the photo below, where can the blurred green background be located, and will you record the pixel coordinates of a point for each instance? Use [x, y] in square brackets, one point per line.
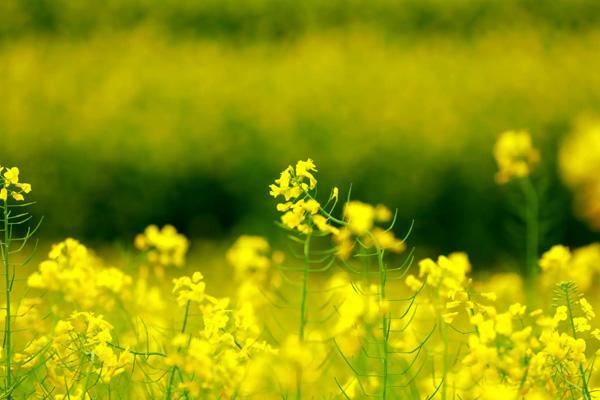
[123, 113]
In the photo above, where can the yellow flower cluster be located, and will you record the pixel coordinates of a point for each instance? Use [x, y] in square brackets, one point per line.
[252, 260]
[305, 213]
[215, 358]
[282, 366]
[433, 333]
[522, 355]
[291, 185]
[447, 280]
[361, 219]
[579, 164]
[11, 184]
[74, 273]
[515, 155]
[519, 354]
[249, 256]
[80, 351]
[191, 289]
[358, 313]
[497, 349]
[164, 247]
[581, 266]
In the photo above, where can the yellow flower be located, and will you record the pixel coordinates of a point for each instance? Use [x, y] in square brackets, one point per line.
[517, 309]
[303, 169]
[382, 213]
[581, 324]
[191, 289]
[12, 175]
[556, 258]
[491, 296]
[449, 317]
[561, 313]
[487, 331]
[344, 242]
[504, 324]
[579, 162]
[72, 271]
[249, 256]
[293, 219]
[290, 183]
[11, 178]
[17, 196]
[283, 207]
[25, 187]
[360, 217]
[321, 224]
[587, 309]
[312, 206]
[284, 186]
[385, 240]
[335, 193]
[165, 247]
[413, 283]
[515, 155]
[448, 274]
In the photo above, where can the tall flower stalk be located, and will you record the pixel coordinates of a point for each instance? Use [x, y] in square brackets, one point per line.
[531, 235]
[12, 193]
[516, 157]
[302, 214]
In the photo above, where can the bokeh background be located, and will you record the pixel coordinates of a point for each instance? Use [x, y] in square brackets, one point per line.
[123, 113]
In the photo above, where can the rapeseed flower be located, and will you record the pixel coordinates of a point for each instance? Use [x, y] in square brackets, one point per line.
[11, 185]
[163, 247]
[515, 155]
[579, 160]
[75, 273]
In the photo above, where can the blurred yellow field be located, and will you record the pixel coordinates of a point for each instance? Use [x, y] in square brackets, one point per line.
[366, 326]
[195, 114]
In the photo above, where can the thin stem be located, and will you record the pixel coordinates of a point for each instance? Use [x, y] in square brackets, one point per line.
[304, 288]
[137, 353]
[585, 391]
[531, 236]
[385, 319]
[168, 392]
[444, 334]
[303, 301]
[7, 287]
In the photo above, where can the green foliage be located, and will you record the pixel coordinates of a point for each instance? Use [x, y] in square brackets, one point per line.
[275, 19]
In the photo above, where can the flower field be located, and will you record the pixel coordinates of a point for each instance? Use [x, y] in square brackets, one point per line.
[271, 199]
[345, 311]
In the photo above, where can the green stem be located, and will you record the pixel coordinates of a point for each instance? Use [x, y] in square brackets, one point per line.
[385, 320]
[85, 386]
[7, 326]
[303, 301]
[585, 391]
[304, 288]
[137, 353]
[444, 334]
[169, 391]
[531, 236]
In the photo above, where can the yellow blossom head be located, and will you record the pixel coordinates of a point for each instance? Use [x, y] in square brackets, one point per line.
[10, 186]
[515, 155]
[164, 247]
[299, 213]
[360, 217]
[579, 161]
